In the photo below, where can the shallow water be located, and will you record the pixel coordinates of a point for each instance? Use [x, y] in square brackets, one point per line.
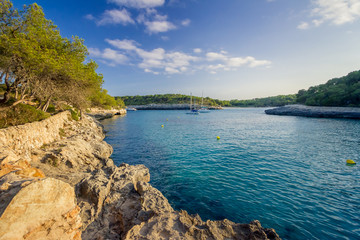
[287, 172]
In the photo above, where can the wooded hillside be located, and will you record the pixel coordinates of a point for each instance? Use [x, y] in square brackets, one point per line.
[181, 99]
[170, 99]
[343, 91]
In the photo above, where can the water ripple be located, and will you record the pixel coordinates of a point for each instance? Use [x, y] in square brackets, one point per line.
[287, 172]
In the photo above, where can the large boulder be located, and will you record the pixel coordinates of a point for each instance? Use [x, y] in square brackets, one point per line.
[41, 209]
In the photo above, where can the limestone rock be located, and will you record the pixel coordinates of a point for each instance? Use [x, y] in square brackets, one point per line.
[43, 209]
[25, 137]
[101, 114]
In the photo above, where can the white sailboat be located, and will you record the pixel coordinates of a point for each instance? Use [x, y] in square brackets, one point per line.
[203, 109]
[192, 109]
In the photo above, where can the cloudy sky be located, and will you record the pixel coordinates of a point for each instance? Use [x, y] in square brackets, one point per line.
[228, 49]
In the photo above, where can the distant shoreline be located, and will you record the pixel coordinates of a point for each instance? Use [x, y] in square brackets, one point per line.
[168, 107]
[316, 112]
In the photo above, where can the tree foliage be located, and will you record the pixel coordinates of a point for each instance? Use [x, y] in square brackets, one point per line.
[169, 99]
[344, 91]
[184, 99]
[275, 101]
[38, 64]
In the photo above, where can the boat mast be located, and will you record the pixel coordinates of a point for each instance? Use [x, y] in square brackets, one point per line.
[190, 101]
[202, 99]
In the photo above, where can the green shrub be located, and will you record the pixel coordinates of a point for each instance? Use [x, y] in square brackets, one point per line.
[20, 114]
[75, 115]
[51, 108]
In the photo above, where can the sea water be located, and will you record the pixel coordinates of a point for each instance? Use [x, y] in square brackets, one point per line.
[289, 173]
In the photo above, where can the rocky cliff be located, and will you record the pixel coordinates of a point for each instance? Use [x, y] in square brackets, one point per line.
[58, 182]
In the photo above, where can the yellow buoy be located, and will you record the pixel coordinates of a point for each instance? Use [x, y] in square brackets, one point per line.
[167, 119]
[349, 161]
[218, 138]
[162, 126]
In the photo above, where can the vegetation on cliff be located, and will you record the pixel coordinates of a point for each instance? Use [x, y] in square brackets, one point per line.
[40, 67]
[343, 91]
[20, 114]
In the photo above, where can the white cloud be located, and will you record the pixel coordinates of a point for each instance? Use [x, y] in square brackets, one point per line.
[95, 52]
[171, 70]
[257, 63]
[163, 61]
[89, 17]
[123, 44]
[115, 16]
[149, 17]
[186, 22]
[232, 63]
[213, 56]
[337, 12]
[110, 56]
[115, 56]
[303, 25]
[160, 61]
[154, 22]
[151, 71]
[159, 26]
[138, 3]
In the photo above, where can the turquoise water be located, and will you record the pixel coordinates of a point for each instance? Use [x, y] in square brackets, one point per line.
[288, 172]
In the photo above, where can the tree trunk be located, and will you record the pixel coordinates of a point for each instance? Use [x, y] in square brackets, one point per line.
[46, 105]
[40, 104]
[1, 76]
[7, 91]
[23, 92]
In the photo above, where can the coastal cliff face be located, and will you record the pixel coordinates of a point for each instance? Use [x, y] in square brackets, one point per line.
[58, 182]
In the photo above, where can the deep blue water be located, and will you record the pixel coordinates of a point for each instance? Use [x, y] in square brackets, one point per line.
[288, 172]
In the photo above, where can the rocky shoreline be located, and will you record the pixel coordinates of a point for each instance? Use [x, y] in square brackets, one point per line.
[101, 114]
[317, 112]
[57, 181]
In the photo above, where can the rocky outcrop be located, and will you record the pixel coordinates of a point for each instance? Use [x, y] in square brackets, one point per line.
[39, 209]
[101, 114]
[318, 112]
[66, 187]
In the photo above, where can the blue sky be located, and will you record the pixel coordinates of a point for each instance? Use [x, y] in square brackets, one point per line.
[232, 49]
